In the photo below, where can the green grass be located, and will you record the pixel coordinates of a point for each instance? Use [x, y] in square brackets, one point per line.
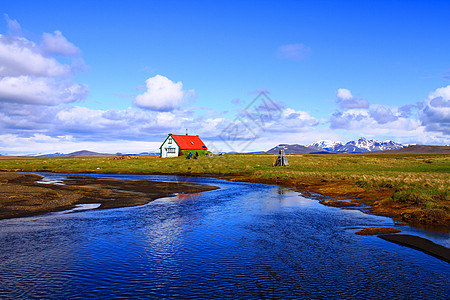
[421, 181]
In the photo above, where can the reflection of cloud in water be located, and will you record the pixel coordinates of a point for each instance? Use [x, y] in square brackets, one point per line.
[170, 220]
[284, 198]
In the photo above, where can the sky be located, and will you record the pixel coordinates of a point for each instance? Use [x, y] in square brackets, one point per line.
[118, 76]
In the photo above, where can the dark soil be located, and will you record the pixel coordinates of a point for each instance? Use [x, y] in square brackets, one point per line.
[21, 195]
[419, 243]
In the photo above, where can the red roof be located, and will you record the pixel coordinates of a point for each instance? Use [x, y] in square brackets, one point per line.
[191, 142]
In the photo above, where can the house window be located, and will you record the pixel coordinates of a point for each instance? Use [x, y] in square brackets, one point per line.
[192, 142]
[170, 150]
[170, 141]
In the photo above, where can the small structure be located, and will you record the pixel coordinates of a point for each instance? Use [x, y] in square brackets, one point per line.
[281, 159]
[176, 144]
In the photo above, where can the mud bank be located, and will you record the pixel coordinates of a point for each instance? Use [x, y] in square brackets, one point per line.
[21, 195]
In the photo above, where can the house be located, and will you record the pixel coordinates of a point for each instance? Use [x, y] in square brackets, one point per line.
[176, 144]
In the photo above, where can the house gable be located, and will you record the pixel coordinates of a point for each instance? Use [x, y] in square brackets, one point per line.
[169, 148]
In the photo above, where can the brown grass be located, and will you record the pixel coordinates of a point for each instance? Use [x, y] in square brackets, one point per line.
[413, 188]
[377, 230]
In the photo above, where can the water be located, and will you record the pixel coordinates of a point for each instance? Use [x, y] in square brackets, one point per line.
[241, 241]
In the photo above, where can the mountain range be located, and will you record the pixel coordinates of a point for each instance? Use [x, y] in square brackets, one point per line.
[362, 145]
[91, 153]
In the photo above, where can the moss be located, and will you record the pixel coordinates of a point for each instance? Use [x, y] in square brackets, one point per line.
[426, 216]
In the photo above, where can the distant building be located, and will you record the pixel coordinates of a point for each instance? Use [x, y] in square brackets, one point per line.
[175, 145]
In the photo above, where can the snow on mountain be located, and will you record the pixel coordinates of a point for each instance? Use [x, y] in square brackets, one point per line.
[362, 145]
[325, 145]
[359, 146]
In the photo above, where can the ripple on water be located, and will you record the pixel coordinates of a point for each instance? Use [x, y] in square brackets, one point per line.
[242, 241]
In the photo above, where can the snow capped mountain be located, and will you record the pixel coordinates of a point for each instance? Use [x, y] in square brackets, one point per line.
[325, 145]
[359, 146]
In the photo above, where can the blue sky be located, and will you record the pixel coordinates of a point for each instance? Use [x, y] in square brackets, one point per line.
[117, 76]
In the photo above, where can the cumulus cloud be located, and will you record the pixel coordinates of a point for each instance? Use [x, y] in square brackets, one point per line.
[443, 92]
[344, 94]
[345, 100]
[296, 52]
[364, 123]
[408, 110]
[162, 94]
[291, 118]
[382, 114]
[341, 120]
[425, 122]
[30, 75]
[19, 56]
[40, 90]
[435, 115]
[58, 44]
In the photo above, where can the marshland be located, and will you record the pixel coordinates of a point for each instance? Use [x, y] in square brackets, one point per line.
[411, 188]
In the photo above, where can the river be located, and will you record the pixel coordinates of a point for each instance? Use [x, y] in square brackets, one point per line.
[243, 240]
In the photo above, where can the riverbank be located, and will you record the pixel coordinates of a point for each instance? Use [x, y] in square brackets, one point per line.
[344, 193]
[410, 188]
[21, 194]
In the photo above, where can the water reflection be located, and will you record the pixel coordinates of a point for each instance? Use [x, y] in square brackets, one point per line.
[241, 241]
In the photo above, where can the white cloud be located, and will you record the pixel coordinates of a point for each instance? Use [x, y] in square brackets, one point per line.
[349, 119]
[30, 75]
[427, 122]
[40, 90]
[382, 114]
[435, 115]
[65, 129]
[162, 94]
[346, 100]
[58, 44]
[344, 94]
[19, 56]
[443, 92]
[168, 120]
[80, 116]
[291, 118]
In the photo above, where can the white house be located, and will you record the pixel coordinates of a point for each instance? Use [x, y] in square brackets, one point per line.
[174, 144]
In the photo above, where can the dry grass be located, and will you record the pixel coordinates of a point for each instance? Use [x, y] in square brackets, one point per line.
[411, 187]
[377, 230]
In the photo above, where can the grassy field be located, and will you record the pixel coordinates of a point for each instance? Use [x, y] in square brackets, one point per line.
[409, 187]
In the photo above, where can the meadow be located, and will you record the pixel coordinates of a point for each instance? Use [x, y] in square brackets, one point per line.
[413, 188]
